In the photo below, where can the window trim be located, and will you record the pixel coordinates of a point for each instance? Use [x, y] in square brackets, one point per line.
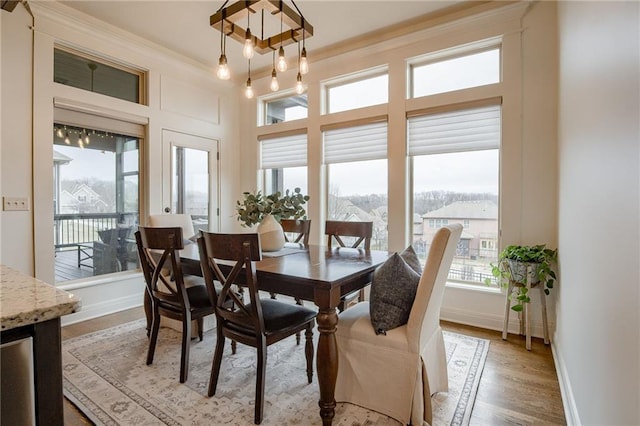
[142, 74]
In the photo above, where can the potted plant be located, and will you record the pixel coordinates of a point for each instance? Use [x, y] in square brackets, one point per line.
[267, 210]
[512, 264]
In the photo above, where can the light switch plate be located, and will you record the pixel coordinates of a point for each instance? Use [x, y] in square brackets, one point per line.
[15, 203]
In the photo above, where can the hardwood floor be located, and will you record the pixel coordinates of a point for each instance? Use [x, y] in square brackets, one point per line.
[518, 387]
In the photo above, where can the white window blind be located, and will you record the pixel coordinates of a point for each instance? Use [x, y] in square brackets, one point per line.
[285, 151]
[356, 143]
[455, 131]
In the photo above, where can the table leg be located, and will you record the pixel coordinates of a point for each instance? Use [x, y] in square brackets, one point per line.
[327, 363]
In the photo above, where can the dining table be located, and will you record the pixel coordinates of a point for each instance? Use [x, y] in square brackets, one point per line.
[319, 275]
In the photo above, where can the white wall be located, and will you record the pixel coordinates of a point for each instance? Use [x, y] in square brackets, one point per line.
[597, 340]
[27, 123]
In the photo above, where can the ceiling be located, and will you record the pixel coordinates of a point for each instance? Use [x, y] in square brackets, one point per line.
[183, 26]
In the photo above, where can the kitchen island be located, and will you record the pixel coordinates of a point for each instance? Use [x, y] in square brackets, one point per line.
[31, 309]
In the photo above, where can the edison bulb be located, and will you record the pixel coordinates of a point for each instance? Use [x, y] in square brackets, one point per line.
[282, 62]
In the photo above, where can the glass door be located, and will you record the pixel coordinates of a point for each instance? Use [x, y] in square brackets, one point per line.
[190, 178]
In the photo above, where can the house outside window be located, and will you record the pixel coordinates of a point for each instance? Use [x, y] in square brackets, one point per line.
[454, 152]
[96, 201]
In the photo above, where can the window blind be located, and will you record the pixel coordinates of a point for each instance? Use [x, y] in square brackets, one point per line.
[454, 131]
[284, 151]
[356, 143]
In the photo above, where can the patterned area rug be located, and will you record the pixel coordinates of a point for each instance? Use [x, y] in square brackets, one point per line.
[106, 377]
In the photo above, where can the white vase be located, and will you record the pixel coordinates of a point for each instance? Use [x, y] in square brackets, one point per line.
[271, 234]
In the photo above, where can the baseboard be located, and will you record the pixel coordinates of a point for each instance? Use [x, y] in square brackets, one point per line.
[568, 401]
[491, 322]
[96, 310]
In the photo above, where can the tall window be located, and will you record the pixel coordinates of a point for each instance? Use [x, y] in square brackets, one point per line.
[96, 201]
[284, 163]
[357, 176]
[454, 158]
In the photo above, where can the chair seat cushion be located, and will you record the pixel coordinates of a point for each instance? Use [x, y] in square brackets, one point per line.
[355, 325]
[393, 290]
[283, 316]
[199, 297]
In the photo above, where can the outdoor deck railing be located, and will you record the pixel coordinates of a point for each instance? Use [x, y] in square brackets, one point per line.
[80, 228]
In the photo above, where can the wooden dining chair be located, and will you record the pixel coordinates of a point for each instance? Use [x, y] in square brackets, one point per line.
[296, 231]
[361, 233]
[259, 323]
[167, 287]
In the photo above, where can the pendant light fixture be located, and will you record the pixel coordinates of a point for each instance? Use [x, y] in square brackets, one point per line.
[248, 90]
[304, 64]
[223, 69]
[228, 20]
[247, 50]
[275, 86]
[282, 62]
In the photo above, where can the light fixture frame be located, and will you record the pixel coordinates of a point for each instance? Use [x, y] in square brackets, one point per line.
[226, 20]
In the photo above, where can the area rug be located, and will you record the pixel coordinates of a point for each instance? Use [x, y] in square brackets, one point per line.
[106, 377]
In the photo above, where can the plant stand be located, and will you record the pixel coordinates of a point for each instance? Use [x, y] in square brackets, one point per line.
[525, 326]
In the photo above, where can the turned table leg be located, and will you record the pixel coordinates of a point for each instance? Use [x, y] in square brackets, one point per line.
[327, 363]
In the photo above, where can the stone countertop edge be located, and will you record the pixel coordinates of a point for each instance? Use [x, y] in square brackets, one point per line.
[26, 300]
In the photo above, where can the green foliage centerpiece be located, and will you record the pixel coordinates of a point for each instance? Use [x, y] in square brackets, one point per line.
[255, 206]
[513, 263]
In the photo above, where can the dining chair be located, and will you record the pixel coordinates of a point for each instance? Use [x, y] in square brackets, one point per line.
[167, 287]
[259, 323]
[296, 231]
[360, 232]
[185, 222]
[409, 362]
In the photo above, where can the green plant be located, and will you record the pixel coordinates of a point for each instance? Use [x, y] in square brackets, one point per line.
[512, 264]
[256, 206]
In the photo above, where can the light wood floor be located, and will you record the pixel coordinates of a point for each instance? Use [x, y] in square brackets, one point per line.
[518, 387]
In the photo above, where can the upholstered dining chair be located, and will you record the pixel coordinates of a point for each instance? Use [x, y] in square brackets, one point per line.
[167, 287]
[174, 219]
[361, 232]
[408, 364]
[259, 323]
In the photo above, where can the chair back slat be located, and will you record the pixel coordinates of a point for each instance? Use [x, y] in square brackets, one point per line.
[300, 227]
[335, 229]
[159, 259]
[240, 251]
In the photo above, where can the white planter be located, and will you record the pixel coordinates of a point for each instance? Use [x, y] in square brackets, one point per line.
[271, 234]
[519, 271]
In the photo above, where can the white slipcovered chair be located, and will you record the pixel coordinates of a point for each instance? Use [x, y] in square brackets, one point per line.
[396, 374]
[169, 220]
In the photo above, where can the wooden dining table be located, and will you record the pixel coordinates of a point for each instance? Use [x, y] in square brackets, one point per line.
[318, 275]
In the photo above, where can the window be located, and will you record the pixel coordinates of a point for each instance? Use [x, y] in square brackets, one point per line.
[88, 73]
[435, 74]
[369, 88]
[284, 163]
[357, 176]
[284, 109]
[454, 157]
[96, 199]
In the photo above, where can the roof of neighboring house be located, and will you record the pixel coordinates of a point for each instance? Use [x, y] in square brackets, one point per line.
[60, 158]
[483, 209]
[86, 189]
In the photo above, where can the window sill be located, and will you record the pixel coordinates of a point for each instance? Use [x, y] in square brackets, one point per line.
[474, 287]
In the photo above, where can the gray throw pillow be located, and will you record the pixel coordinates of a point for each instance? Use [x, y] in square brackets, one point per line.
[409, 255]
[393, 290]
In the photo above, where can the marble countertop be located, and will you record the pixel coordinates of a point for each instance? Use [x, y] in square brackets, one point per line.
[25, 300]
